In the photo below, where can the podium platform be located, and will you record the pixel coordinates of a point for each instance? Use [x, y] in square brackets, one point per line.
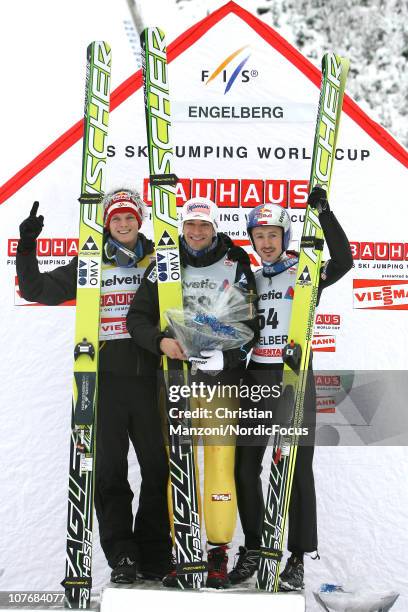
[129, 599]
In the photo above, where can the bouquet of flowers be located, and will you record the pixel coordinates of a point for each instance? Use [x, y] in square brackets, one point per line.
[213, 319]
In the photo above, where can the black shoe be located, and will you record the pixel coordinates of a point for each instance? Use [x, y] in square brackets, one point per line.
[217, 568]
[291, 579]
[125, 572]
[245, 566]
[170, 580]
[155, 569]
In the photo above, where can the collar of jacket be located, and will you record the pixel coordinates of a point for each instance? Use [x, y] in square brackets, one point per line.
[147, 246]
[223, 245]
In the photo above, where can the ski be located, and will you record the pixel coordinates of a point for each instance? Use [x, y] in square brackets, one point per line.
[190, 566]
[296, 354]
[78, 579]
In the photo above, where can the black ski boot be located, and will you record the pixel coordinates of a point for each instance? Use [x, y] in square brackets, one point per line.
[291, 579]
[245, 566]
[170, 579]
[217, 568]
[125, 571]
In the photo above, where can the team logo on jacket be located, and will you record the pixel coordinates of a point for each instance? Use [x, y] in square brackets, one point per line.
[243, 281]
[289, 293]
[152, 277]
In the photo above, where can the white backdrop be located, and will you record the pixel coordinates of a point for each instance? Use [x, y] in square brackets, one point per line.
[362, 492]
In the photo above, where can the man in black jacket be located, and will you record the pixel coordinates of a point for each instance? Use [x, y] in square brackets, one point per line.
[127, 400]
[269, 229]
[208, 257]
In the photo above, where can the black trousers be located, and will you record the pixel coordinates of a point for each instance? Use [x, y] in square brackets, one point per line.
[128, 409]
[302, 533]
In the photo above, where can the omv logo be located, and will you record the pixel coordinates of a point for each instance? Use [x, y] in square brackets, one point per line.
[235, 63]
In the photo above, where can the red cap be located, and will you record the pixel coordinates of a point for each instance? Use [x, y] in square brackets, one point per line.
[124, 202]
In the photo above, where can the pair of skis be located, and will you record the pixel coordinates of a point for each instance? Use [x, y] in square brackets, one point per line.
[78, 578]
[78, 581]
[297, 353]
[190, 567]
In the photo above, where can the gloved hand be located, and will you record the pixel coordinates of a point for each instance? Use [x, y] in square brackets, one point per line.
[318, 199]
[30, 229]
[209, 361]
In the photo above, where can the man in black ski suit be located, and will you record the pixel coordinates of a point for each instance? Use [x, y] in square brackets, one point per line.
[208, 259]
[269, 229]
[127, 397]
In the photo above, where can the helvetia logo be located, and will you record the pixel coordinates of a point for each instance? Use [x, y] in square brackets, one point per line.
[380, 294]
[242, 56]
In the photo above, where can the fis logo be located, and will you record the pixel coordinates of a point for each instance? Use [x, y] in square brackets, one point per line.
[241, 56]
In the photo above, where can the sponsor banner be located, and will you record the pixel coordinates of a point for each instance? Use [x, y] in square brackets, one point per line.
[89, 272]
[375, 294]
[112, 328]
[325, 404]
[239, 192]
[381, 251]
[222, 497]
[48, 247]
[51, 252]
[168, 265]
[327, 321]
[324, 343]
[327, 382]
[119, 286]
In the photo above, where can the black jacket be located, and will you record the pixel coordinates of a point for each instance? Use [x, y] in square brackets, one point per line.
[143, 316]
[51, 288]
[341, 258]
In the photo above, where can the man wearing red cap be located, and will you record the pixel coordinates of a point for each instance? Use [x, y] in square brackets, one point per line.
[139, 546]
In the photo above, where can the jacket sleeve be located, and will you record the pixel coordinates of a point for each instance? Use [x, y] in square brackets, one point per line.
[234, 358]
[341, 259]
[50, 288]
[143, 317]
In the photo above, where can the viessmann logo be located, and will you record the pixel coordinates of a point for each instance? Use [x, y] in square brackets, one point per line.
[235, 62]
[324, 343]
[380, 294]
